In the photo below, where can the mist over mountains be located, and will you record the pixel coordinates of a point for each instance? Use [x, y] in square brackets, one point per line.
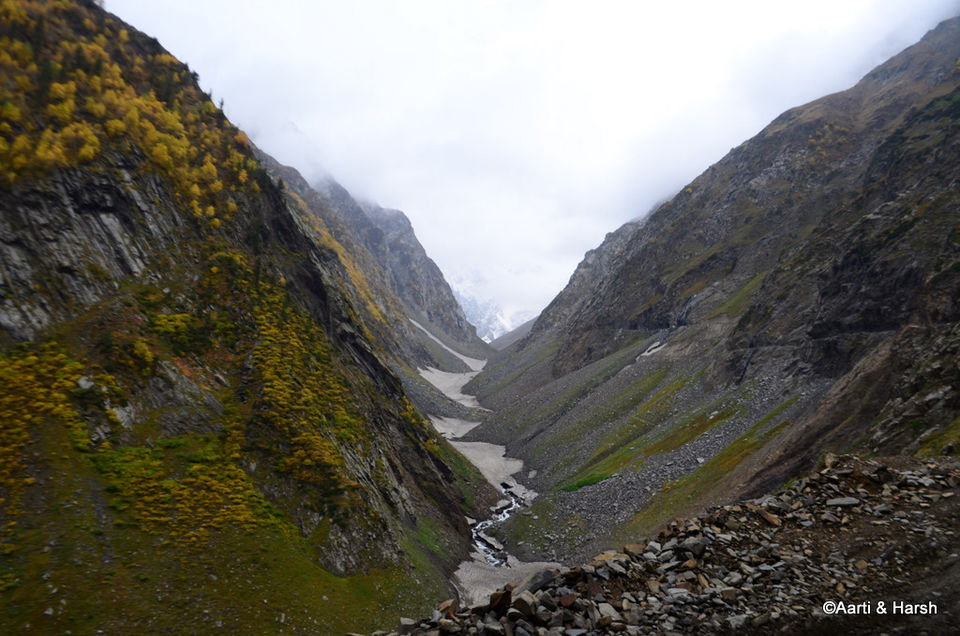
[233, 399]
[489, 318]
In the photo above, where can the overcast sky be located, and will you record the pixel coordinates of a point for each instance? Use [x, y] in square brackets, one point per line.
[515, 134]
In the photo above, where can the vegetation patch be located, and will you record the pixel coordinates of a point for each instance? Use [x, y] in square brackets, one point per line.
[945, 441]
[36, 389]
[613, 409]
[692, 428]
[624, 444]
[738, 302]
[68, 99]
[182, 490]
[589, 480]
[678, 496]
[428, 534]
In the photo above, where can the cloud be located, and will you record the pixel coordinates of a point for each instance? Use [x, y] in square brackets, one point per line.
[517, 134]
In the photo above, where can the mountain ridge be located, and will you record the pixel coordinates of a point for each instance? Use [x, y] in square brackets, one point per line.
[203, 416]
[729, 338]
[213, 372]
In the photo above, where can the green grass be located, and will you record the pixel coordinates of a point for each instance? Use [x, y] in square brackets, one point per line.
[935, 444]
[120, 578]
[738, 302]
[623, 452]
[589, 480]
[625, 402]
[692, 428]
[679, 496]
[428, 534]
[624, 445]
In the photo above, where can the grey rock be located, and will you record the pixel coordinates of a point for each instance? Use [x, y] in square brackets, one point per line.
[843, 501]
[606, 609]
[737, 621]
[534, 582]
[525, 603]
[694, 545]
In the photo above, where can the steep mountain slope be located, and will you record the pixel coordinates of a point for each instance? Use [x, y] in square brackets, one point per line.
[403, 278]
[419, 282]
[403, 296]
[515, 335]
[199, 421]
[800, 295]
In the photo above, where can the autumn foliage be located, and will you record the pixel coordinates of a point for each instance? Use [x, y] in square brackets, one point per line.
[65, 101]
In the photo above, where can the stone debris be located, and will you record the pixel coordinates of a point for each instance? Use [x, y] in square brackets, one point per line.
[850, 532]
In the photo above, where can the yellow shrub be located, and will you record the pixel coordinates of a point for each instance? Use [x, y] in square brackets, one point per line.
[115, 127]
[10, 112]
[95, 108]
[160, 156]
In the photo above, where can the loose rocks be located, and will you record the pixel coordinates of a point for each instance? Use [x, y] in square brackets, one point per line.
[858, 531]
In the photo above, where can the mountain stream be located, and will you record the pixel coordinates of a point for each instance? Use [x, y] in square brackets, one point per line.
[490, 566]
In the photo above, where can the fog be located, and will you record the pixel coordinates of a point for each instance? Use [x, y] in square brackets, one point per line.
[516, 134]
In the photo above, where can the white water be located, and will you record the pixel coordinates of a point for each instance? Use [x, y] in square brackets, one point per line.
[490, 566]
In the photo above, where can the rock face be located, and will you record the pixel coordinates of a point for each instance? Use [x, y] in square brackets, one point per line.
[199, 391]
[789, 563]
[419, 282]
[800, 295]
[398, 291]
[491, 321]
[404, 282]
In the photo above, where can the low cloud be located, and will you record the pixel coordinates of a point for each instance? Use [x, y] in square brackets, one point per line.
[516, 135]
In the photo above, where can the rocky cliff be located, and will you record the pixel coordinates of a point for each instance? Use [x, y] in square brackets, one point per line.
[419, 282]
[201, 421]
[404, 282]
[798, 296]
[400, 292]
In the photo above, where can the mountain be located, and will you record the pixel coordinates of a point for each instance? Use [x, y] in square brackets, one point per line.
[404, 282]
[507, 339]
[485, 314]
[402, 296]
[419, 282]
[799, 296]
[203, 411]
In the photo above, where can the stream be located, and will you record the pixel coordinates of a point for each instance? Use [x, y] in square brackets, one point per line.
[490, 566]
[491, 549]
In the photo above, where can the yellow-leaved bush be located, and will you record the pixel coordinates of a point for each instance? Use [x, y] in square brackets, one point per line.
[65, 100]
[35, 391]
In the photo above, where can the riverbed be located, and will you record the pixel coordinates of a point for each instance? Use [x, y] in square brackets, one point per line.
[489, 567]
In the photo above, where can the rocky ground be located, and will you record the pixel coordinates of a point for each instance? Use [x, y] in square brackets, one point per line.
[860, 546]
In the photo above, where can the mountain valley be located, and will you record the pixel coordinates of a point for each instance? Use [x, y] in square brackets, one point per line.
[235, 400]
